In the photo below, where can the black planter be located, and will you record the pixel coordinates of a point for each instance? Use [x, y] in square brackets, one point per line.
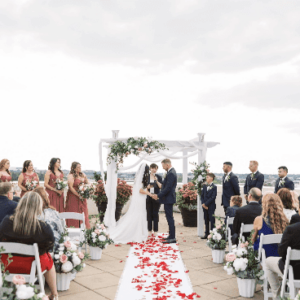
[102, 208]
[189, 218]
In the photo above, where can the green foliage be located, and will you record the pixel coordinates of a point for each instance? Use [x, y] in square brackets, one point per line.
[119, 150]
[199, 172]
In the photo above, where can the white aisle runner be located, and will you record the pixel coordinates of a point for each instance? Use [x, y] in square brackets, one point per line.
[154, 271]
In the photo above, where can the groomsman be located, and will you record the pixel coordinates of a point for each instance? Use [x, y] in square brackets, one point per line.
[254, 179]
[230, 185]
[208, 200]
[283, 181]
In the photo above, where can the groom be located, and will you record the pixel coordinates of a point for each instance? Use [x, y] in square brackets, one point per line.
[167, 197]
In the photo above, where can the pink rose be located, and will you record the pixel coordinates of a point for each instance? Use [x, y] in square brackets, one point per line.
[18, 280]
[209, 236]
[102, 226]
[244, 245]
[97, 231]
[63, 259]
[45, 297]
[140, 149]
[230, 257]
[80, 255]
[67, 244]
[145, 145]
[219, 227]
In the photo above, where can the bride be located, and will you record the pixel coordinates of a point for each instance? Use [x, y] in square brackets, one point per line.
[132, 227]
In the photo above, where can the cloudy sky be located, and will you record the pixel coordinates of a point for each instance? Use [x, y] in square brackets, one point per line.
[73, 70]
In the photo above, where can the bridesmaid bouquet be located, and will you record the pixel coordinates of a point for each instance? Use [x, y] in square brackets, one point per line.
[31, 185]
[86, 191]
[60, 184]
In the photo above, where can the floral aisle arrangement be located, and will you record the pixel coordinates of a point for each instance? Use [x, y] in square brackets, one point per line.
[31, 185]
[60, 184]
[119, 150]
[244, 263]
[216, 240]
[98, 239]
[199, 172]
[86, 190]
[67, 262]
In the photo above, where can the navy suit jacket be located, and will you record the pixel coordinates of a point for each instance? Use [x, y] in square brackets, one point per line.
[289, 184]
[7, 207]
[230, 188]
[257, 181]
[209, 197]
[167, 195]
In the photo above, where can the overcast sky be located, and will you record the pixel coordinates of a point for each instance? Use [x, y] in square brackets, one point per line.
[71, 71]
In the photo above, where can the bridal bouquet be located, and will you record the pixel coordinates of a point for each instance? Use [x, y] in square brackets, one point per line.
[244, 263]
[85, 191]
[60, 184]
[186, 197]
[216, 240]
[31, 185]
[66, 258]
[97, 236]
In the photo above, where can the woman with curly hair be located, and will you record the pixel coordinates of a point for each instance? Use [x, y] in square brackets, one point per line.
[272, 221]
[28, 175]
[56, 196]
[287, 202]
[5, 175]
[74, 203]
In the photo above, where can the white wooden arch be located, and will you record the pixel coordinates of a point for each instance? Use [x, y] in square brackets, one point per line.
[186, 149]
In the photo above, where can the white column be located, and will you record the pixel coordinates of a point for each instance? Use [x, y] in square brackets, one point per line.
[184, 167]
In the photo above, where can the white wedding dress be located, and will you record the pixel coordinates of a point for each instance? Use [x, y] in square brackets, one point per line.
[132, 227]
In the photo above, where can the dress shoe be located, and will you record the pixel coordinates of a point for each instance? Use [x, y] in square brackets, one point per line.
[204, 237]
[166, 238]
[169, 241]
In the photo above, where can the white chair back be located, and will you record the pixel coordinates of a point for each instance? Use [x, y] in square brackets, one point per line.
[245, 228]
[288, 270]
[30, 250]
[229, 221]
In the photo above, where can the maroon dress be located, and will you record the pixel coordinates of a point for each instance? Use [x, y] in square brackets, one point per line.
[74, 204]
[30, 178]
[56, 200]
[5, 178]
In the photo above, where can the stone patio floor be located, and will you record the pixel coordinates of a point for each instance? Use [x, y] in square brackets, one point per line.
[99, 280]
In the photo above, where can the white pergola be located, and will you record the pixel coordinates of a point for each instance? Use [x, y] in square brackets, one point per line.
[186, 149]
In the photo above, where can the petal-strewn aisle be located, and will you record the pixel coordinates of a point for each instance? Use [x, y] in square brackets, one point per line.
[154, 270]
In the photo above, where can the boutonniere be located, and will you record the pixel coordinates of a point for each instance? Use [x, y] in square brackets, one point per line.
[252, 176]
[282, 182]
[227, 178]
[209, 187]
[164, 175]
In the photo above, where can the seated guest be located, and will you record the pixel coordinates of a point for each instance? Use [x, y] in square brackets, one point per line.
[296, 200]
[7, 206]
[50, 215]
[246, 214]
[153, 206]
[271, 221]
[208, 200]
[275, 265]
[287, 201]
[235, 203]
[25, 228]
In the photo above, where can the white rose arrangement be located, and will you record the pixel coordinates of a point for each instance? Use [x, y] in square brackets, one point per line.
[216, 239]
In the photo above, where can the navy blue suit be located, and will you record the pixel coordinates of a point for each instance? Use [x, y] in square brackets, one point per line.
[208, 197]
[289, 184]
[230, 188]
[257, 181]
[167, 197]
[7, 207]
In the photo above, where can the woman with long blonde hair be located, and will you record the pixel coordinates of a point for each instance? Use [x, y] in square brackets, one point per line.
[271, 221]
[24, 227]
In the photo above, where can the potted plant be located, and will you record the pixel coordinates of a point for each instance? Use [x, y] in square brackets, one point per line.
[124, 191]
[98, 239]
[186, 201]
[67, 262]
[216, 240]
[244, 263]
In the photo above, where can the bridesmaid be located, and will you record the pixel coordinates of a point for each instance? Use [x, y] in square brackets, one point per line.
[74, 203]
[27, 174]
[5, 175]
[54, 172]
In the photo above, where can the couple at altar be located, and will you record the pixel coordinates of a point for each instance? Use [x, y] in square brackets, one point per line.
[132, 227]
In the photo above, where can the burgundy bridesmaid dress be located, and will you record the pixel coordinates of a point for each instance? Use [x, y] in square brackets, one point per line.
[56, 200]
[30, 178]
[5, 178]
[74, 204]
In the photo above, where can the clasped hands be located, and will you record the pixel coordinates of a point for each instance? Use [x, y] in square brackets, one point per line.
[204, 206]
[153, 196]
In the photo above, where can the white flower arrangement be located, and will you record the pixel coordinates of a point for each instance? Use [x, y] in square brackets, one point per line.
[31, 185]
[86, 191]
[216, 238]
[60, 184]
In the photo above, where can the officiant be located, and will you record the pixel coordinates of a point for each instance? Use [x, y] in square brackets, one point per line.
[152, 206]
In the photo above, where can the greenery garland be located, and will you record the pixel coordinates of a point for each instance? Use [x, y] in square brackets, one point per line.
[119, 150]
[200, 173]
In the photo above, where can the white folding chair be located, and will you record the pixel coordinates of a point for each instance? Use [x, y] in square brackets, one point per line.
[75, 232]
[293, 284]
[229, 221]
[245, 228]
[266, 240]
[30, 250]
